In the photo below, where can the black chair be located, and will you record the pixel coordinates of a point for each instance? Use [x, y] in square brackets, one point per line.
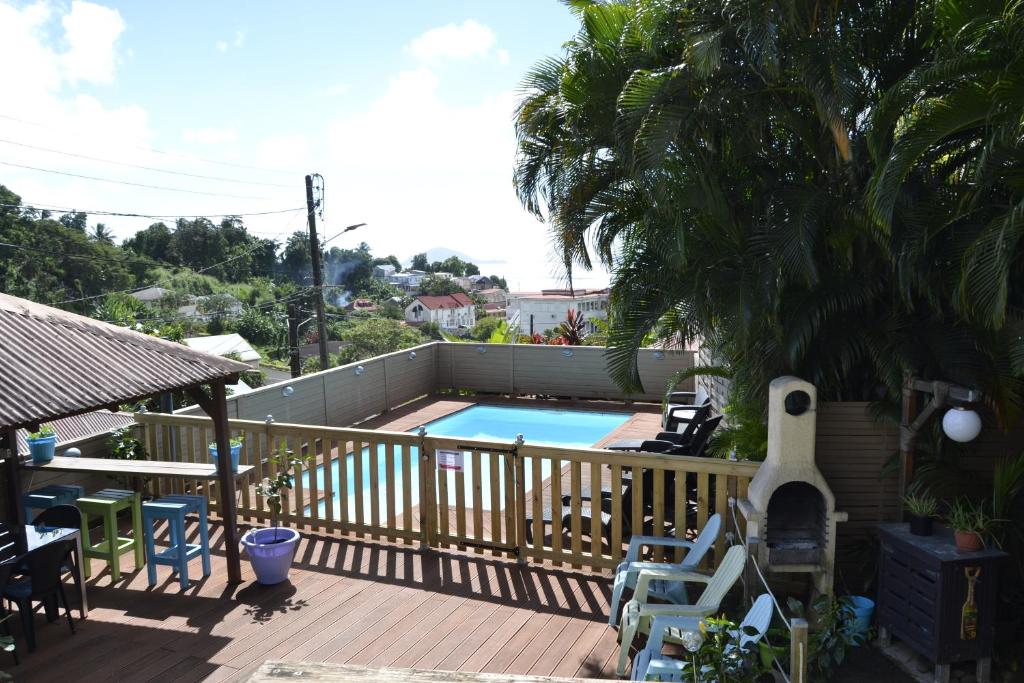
[683, 435]
[5, 575]
[65, 517]
[42, 584]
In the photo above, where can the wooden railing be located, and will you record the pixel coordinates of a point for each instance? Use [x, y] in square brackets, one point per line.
[515, 499]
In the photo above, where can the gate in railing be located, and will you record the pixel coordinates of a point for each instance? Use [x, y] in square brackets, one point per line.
[541, 503]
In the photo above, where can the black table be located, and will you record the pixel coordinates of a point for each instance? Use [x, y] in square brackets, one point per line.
[17, 542]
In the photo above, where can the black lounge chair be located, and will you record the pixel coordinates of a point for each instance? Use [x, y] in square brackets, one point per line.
[676, 443]
[679, 407]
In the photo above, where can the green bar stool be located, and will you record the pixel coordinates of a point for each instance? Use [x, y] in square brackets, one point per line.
[106, 504]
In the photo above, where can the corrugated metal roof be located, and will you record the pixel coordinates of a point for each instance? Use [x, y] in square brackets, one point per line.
[54, 364]
[81, 426]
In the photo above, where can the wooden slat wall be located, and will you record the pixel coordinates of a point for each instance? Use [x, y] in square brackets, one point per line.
[851, 451]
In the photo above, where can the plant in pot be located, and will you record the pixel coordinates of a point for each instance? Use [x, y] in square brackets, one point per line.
[272, 549]
[41, 444]
[921, 508]
[970, 524]
[236, 449]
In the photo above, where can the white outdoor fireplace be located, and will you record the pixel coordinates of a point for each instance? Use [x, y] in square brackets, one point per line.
[790, 510]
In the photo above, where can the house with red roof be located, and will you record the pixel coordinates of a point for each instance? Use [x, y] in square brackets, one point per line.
[450, 311]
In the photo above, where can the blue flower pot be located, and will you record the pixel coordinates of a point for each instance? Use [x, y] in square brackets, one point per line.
[271, 552]
[863, 610]
[42, 448]
[235, 450]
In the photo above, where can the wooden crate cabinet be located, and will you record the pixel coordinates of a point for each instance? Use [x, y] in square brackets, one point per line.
[922, 588]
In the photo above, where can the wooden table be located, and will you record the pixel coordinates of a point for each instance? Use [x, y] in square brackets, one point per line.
[17, 542]
[133, 468]
[347, 673]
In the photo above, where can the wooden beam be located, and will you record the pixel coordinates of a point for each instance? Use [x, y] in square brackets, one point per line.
[218, 411]
[9, 441]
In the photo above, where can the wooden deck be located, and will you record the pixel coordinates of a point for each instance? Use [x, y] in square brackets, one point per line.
[347, 602]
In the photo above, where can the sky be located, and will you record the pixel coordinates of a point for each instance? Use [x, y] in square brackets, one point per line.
[404, 107]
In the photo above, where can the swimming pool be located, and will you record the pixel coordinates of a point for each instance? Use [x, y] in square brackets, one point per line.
[572, 428]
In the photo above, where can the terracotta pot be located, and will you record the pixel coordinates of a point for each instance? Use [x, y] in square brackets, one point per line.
[968, 541]
[920, 526]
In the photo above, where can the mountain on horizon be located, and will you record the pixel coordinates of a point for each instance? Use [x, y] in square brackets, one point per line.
[441, 253]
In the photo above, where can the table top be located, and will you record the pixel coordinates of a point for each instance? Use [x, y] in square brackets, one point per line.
[939, 545]
[137, 468]
[17, 541]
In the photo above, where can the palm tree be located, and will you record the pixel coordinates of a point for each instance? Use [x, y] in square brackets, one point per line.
[101, 233]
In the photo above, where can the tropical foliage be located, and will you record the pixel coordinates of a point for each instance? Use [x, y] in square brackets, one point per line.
[826, 189]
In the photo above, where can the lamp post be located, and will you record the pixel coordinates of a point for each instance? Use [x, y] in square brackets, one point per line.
[960, 423]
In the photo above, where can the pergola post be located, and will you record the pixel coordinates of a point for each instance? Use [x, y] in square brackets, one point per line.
[9, 441]
[226, 480]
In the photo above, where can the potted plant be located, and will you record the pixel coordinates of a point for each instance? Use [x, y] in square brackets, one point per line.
[970, 524]
[271, 549]
[41, 444]
[921, 508]
[236, 449]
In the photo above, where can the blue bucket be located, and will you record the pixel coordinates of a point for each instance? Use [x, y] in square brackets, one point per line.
[235, 451]
[863, 610]
[42, 448]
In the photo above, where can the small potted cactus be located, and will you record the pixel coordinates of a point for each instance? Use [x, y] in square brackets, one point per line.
[272, 549]
[42, 444]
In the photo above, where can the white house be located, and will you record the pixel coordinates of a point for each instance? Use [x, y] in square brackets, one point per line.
[224, 345]
[449, 312]
[408, 280]
[539, 312]
[383, 271]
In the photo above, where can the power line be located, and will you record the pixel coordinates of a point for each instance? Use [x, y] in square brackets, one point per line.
[126, 182]
[172, 154]
[65, 209]
[144, 168]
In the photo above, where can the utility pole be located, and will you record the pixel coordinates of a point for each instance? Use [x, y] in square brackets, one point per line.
[293, 341]
[318, 284]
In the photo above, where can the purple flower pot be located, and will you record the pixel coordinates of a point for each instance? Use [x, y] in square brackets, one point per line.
[271, 552]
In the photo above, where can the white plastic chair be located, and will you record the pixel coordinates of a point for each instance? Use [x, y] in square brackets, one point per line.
[670, 591]
[637, 616]
[651, 665]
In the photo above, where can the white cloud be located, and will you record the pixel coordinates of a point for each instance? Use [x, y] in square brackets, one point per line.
[91, 32]
[209, 136]
[222, 46]
[334, 90]
[503, 57]
[425, 173]
[453, 41]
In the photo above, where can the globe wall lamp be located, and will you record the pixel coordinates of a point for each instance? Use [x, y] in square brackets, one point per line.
[961, 422]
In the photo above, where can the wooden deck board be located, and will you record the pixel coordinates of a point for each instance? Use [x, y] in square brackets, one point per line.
[347, 601]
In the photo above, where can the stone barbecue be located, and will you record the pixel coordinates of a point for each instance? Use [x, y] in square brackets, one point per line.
[790, 510]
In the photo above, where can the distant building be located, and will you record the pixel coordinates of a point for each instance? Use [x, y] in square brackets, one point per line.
[494, 295]
[449, 312]
[479, 282]
[383, 271]
[539, 312]
[226, 345]
[151, 294]
[443, 275]
[409, 280]
[362, 306]
[494, 310]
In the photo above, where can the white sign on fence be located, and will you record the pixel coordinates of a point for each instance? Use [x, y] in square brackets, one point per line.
[449, 461]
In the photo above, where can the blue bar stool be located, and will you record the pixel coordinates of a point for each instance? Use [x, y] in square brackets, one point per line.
[177, 556]
[49, 496]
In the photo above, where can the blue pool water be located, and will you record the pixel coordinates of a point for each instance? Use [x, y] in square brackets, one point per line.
[571, 428]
